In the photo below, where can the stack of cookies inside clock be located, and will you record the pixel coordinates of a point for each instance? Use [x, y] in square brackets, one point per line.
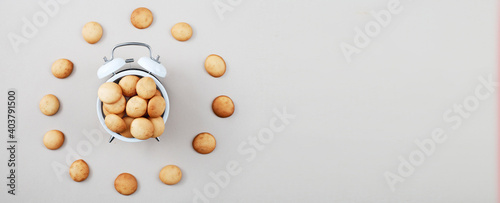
[133, 107]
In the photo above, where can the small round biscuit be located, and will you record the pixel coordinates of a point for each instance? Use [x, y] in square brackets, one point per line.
[49, 105]
[182, 31]
[215, 65]
[92, 32]
[170, 174]
[115, 123]
[109, 92]
[79, 170]
[53, 139]
[126, 184]
[106, 113]
[158, 93]
[158, 125]
[223, 106]
[136, 107]
[117, 107]
[62, 68]
[128, 84]
[146, 87]
[141, 18]
[126, 133]
[204, 143]
[142, 128]
[156, 106]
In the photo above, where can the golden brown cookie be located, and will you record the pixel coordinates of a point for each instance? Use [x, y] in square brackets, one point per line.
[49, 105]
[109, 92]
[125, 184]
[204, 143]
[79, 170]
[223, 106]
[62, 68]
[126, 133]
[158, 125]
[170, 174]
[215, 65]
[128, 84]
[106, 113]
[141, 128]
[115, 123]
[182, 31]
[146, 87]
[92, 32]
[141, 18]
[158, 93]
[53, 139]
[117, 107]
[156, 106]
[136, 107]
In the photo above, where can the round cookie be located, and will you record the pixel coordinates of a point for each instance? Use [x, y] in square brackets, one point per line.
[158, 125]
[141, 18]
[156, 106]
[126, 133]
[115, 123]
[182, 31]
[146, 87]
[204, 143]
[158, 93]
[170, 174]
[215, 65]
[223, 106]
[49, 105]
[53, 139]
[79, 170]
[62, 68]
[141, 128]
[92, 32]
[117, 107]
[106, 113]
[125, 184]
[128, 84]
[109, 92]
[136, 107]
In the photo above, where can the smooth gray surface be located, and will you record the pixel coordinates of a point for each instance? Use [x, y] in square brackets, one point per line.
[353, 120]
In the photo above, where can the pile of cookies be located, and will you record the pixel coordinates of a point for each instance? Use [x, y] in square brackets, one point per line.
[133, 107]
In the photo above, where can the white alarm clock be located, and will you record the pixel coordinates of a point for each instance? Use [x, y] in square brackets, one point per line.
[149, 67]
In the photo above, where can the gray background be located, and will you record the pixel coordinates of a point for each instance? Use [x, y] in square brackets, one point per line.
[353, 120]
